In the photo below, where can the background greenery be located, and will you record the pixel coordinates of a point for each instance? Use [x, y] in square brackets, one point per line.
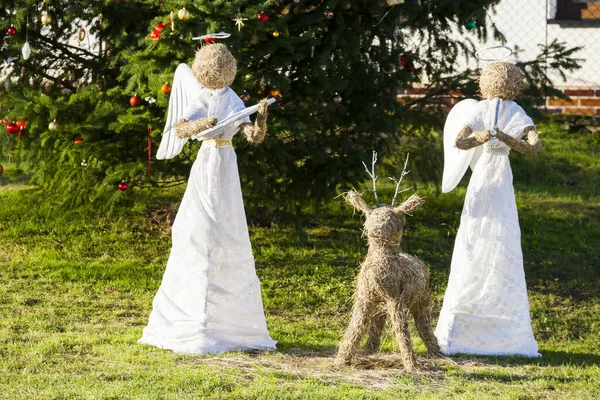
[76, 289]
[324, 48]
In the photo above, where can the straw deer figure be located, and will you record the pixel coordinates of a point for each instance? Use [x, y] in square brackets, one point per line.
[390, 282]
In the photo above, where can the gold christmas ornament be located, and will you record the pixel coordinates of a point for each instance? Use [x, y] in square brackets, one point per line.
[52, 126]
[46, 18]
[275, 34]
[183, 14]
[239, 21]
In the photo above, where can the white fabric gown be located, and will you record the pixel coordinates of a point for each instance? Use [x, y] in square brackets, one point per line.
[486, 309]
[209, 299]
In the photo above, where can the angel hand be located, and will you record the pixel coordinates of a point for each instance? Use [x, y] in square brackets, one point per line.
[185, 129]
[483, 136]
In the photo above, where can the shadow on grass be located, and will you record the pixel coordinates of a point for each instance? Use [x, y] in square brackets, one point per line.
[549, 358]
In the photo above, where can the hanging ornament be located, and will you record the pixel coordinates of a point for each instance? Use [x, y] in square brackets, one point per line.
[239, 21]
[328, 14]
[21, 124]
[172, 18]
[406, 61]
[149, 149]
[12, 128]
[263, 17]
[52, 126]
[84, 163]
[21, 134]
[11, 30]
[337, 99]
[46, 18]
[274, 92]
[1, 169]
[165, 88]
[245, 96]
[122, 186]
[79, 140]
[135, 101]
[209, 40]
[81, 34]
[470, 24]
[387, 68]
[160, 27]
[155, 35]
[183, 14]
[26, 51]
[275, 34]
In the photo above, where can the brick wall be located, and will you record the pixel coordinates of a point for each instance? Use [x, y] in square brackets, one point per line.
[584, 101]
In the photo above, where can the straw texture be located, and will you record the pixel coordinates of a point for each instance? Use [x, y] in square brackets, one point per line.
[214, 66]
[390, 282]
[185, 128]
[503, 80]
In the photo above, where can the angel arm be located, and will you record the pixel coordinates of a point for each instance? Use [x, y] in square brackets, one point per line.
[465, 142]
[529, 146]
[256, 133]
[185, 129]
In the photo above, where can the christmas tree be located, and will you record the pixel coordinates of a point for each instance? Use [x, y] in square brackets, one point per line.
[93, 91]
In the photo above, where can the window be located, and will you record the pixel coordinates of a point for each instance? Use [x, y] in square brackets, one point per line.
[574, 10]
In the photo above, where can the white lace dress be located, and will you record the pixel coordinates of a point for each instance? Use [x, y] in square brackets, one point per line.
[209, 299]
[485, 309]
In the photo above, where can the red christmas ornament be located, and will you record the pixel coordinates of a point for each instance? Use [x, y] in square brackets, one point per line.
[406, 61]
[11, 30]
[159, 27]
[135, 101]
[22, 124]
[209, 40]
[21, 134]
[12, 128]
[155, 35]
[122, 186]
[262, 17]
[79, 140]
[1, 169]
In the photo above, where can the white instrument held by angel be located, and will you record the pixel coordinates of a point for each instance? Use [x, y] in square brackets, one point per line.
[191, 100]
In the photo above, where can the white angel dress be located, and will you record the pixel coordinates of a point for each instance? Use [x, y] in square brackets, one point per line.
[209, 299]
[486, 309]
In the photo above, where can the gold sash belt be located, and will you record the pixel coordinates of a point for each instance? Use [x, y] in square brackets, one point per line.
[217, 142]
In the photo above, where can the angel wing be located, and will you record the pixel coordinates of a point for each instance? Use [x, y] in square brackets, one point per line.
[457, 161]
[185, 90]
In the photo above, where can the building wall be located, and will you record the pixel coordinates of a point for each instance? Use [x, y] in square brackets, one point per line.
[527, 24]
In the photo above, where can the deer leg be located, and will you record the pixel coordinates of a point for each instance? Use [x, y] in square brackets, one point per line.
[375, 331]
[361, 313]
[399, 319]
[422, 316]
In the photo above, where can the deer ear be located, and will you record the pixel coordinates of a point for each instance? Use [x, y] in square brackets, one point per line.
[357, 201]
[410, 204]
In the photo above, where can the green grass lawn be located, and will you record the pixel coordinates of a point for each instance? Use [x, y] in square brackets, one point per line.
[76, 288]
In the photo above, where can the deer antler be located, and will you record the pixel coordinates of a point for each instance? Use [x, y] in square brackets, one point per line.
[398, 182]
[373, 177]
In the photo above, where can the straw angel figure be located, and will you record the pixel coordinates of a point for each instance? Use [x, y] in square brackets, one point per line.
[209, 299]
[486, 309]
